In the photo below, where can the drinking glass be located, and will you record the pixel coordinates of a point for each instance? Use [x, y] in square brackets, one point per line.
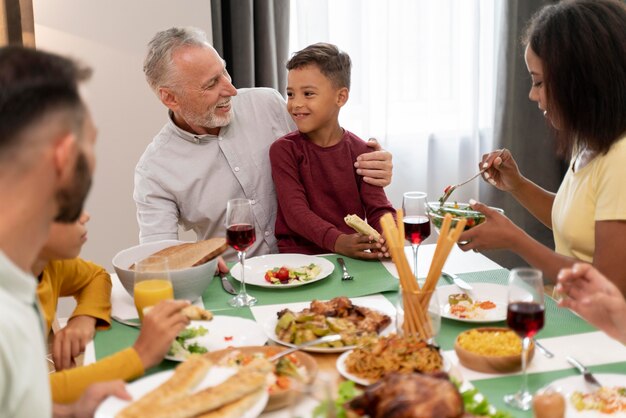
[434, 313]
[525, 316]
[240, 235]
[152, 283]
[319, 393]
[416, 223]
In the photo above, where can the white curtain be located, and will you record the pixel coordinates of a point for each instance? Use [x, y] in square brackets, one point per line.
[423, 81]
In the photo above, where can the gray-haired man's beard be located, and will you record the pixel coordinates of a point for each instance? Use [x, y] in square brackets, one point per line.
[208, 120]
[72, 198]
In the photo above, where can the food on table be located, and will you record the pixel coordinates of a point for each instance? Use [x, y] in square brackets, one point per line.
[436, 213]
[286, 369]
[354, 323]
[607, 400]
[407, 395]
[186, 376]
[362, 227]
[183, 348]
[287, 275]
[462, 306]
[491, 342]
[230, 398]
[190, 254]
[394, 353]
[455, 298]
[550, 404]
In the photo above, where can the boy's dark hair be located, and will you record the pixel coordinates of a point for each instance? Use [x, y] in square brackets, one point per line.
[582, 44]
[34, 84]
[332, 62]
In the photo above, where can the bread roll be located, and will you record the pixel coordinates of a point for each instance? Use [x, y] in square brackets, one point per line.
[362, 227]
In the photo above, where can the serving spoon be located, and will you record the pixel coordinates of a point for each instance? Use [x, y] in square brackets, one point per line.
[325, 339]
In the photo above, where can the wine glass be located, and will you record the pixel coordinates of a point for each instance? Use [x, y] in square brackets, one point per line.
[525, 316]
[240, 235]
[152, 283]
[416, 223]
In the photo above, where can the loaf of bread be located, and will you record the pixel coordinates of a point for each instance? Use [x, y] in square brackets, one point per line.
[186, 376]
[362, 227]
[235, 409]
[189, 254]
[249, 379]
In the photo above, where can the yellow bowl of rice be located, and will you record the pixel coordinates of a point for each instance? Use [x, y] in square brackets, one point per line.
[491, 350]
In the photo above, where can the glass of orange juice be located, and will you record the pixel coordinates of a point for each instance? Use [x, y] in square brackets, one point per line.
[152, 283]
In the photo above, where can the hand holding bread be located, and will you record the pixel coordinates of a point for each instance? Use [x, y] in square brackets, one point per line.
[362, 227]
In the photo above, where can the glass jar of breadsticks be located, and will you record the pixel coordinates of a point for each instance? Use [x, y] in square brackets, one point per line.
[430, 314]
[418, 310]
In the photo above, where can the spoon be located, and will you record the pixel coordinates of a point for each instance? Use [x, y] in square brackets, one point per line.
[325, 339]
[448, 190]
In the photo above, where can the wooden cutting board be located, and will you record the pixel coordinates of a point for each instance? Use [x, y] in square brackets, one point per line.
[191, 254]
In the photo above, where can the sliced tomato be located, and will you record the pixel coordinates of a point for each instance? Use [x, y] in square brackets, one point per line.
[269, 275]
[283, 274]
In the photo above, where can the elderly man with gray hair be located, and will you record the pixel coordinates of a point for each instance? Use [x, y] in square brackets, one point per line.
[214, 146]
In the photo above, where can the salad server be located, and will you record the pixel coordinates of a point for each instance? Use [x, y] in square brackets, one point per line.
[453, 278]
[325, 339]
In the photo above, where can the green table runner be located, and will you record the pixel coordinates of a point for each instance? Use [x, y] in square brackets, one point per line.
[497, 387]
[558, 322]
[370, 277]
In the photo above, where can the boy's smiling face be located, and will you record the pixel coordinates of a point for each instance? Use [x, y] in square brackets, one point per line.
[312, 100]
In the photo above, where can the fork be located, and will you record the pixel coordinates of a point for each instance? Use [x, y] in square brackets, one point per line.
[346, 275]
[448, 191]
[589, 378]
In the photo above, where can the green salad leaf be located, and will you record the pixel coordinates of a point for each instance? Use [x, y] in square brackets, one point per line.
[346, 391]
[182, 348]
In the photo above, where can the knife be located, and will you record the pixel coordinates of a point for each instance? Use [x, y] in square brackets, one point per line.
[589, 378]
[453, 278]
[226, 284]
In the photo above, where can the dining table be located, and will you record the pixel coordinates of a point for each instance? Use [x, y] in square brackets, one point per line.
[376, 282]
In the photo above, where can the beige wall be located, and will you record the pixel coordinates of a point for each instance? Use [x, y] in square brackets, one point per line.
[111, 36]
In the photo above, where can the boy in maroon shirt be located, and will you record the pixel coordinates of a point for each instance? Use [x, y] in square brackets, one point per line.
[313, 167]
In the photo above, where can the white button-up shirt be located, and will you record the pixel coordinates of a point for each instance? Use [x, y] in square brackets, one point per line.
[187, 179]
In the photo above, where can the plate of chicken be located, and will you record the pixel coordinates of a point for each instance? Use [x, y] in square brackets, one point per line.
[356, 324]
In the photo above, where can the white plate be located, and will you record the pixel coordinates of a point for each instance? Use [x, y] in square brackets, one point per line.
[569, 385]
[270, 326]
[341, 367]
[495, 293]
[226, 331]
[256, 267]
[216, 375]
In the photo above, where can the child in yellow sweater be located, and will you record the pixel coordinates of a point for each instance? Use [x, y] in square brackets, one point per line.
[62, 274]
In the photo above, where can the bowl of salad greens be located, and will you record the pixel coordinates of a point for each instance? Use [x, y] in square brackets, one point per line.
[436, 212]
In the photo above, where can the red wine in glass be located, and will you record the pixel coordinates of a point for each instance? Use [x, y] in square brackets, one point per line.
[525, 318]
[240, 236]
[416, 229]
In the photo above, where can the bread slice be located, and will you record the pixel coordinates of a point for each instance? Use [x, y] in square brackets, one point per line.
[193, 312]
[191, 254]
[235, 409]
[186, 376]
[362, 227]
[249, 379]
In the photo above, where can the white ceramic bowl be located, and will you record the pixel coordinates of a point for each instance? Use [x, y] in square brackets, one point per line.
[189, 283]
